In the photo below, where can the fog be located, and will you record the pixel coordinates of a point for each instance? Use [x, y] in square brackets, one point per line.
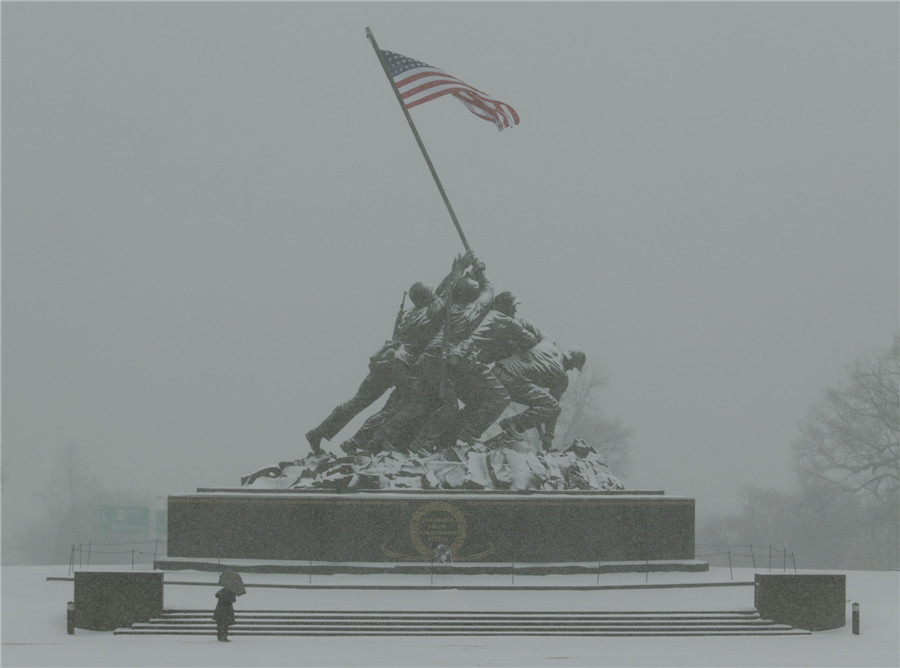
[211, 212]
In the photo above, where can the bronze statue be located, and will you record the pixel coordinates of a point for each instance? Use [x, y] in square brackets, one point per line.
[537, 378]
[499, 335]
[459, 344]
[438, 403]
[425, 404]
[389, 366]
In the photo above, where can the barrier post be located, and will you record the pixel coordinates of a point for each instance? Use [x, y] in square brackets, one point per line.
[855, 619]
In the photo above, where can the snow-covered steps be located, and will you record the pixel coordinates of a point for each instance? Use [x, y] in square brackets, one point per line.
[447, 623]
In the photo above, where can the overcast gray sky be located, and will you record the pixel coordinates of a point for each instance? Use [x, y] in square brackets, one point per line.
[211, 211]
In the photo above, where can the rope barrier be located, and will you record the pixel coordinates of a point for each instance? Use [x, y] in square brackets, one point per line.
[133, 542]
[752, 556]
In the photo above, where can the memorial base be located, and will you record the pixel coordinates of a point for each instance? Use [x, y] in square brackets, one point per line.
[407, 527]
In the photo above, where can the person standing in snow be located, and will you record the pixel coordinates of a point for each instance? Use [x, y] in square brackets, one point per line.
[224, 613]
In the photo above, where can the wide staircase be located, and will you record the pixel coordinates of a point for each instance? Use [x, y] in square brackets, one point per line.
[460, 623]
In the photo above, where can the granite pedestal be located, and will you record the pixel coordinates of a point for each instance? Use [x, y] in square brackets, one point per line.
[392, 526]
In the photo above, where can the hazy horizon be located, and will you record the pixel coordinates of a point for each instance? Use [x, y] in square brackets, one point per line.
[211, 212]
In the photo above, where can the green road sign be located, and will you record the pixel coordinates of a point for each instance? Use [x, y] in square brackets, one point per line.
[124, 519]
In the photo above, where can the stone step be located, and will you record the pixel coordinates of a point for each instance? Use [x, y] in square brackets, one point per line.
[407, 615]
[484, 632]
[444, 623]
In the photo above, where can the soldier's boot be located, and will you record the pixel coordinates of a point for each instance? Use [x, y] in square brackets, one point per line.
[349, 447]
[314, 437]
[509, 428]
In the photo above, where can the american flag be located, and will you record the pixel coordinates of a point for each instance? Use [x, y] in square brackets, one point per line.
[419, 83]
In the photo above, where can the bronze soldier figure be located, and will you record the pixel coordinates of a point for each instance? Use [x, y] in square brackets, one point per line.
[537, 378]
[429, 389]
[389, 366]
[499, 335]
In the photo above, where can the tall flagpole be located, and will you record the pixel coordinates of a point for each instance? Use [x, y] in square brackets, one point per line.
[415, 132]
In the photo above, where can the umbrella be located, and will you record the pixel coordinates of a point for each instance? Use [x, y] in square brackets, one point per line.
[232, 580]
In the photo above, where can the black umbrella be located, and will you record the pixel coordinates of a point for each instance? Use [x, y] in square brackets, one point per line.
[232, 580]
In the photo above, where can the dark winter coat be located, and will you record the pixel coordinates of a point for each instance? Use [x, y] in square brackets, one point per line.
[224, 613]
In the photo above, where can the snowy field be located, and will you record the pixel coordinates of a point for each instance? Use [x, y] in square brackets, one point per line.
[34, 624]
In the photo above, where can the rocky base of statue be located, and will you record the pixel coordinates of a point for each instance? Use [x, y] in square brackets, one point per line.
[499, 464]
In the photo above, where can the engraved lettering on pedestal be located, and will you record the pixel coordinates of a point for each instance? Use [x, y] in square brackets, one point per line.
[437, 523]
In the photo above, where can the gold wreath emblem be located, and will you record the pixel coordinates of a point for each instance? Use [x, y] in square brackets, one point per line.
[440, 522]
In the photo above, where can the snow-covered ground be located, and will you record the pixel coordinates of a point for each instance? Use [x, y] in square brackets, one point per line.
[34, 624]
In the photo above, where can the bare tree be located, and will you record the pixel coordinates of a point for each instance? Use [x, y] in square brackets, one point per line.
[851, 438]
[847, 453]
[821, 526]
[71, 485]
[583, 417]
[72, 499]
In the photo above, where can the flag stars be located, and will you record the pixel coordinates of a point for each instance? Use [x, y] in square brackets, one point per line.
[398, 63]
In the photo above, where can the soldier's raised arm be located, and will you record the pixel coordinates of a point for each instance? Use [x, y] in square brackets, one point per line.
[457, 269]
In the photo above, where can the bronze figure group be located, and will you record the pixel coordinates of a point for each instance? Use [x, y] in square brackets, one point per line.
[456, 360]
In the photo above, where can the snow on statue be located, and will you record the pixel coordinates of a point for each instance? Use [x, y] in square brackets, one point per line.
[458, 357]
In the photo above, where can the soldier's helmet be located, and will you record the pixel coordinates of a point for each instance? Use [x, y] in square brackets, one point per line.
[578, 357]
[506, 302]
[465, 290]
[420, 294]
